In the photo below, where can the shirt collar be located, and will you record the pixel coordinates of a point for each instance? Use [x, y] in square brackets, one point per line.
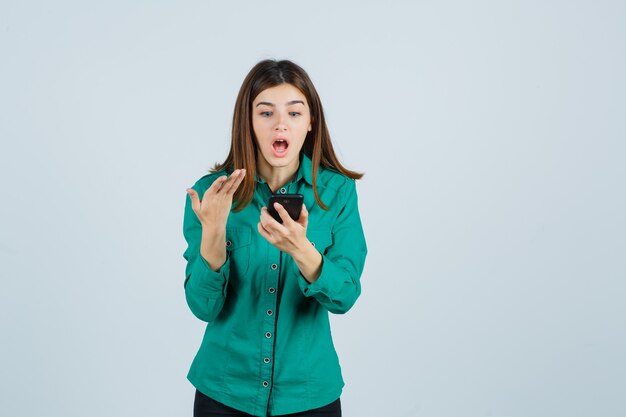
[304, 171]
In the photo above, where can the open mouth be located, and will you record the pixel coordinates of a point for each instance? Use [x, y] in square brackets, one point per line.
[280, 145]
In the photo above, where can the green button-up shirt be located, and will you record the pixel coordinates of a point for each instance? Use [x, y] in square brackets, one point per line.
[267, 348]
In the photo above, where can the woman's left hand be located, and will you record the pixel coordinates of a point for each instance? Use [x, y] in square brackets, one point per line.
[289, 236]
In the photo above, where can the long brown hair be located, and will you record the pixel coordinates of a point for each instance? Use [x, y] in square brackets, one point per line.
[317, 145]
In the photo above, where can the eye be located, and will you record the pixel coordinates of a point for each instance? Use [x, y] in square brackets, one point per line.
[294, 113]
[265, 113]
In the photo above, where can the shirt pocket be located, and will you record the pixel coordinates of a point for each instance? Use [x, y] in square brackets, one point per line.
[320, 238]
[238, 247]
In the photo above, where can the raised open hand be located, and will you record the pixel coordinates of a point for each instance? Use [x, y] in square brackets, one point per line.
[217, 200]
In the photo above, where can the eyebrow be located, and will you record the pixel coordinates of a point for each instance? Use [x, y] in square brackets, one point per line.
[289, 103]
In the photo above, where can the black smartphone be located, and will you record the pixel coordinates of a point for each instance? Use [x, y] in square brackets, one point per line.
[291, 202]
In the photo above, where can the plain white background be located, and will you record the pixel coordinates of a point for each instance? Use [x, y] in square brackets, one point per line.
[491, 135]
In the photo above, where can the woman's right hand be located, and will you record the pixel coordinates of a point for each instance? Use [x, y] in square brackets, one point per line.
[217, 200]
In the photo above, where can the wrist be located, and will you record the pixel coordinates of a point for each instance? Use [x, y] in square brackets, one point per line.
[304, 250]
[309, 261]
[213, 230]
[213, 246]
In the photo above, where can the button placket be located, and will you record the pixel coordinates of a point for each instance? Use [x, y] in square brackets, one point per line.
[269, 321]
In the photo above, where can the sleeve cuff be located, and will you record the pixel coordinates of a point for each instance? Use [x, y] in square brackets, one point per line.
[325, 285]
[207, 282]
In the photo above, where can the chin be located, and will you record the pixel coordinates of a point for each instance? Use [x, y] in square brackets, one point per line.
[280, 162]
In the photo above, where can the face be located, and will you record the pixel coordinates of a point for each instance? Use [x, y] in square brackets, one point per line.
[281, 120]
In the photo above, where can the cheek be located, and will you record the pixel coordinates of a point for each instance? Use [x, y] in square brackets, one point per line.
[258, 127]
[304, 126]
[306, 123]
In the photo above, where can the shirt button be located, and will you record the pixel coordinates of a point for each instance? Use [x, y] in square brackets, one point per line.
[313, 243]
[266, 360]
[272, 290]
[228, 243]
[274, 266]
[283, 190]
[266, 384]
[268, 335]
[270, 312]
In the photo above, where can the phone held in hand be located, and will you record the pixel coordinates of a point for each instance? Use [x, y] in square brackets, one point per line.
[291, 202]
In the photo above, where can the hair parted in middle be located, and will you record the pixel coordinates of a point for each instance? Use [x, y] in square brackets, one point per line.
[243, 148]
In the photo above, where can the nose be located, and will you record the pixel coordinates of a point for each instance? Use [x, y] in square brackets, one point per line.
[280, 124]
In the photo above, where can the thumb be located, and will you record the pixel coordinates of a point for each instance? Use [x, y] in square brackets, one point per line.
[194, 198]
[304, 215]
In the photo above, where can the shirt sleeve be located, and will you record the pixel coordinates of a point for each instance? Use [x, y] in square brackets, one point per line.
[338, 285]
[205, 289]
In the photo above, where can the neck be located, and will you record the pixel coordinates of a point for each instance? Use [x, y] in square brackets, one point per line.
[276, 177]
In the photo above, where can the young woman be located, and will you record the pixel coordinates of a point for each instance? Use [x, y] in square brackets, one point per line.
[265, 288]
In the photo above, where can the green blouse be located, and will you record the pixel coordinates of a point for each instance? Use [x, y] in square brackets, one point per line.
[267, 348]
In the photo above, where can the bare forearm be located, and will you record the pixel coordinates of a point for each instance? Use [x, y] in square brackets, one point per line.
[309, 261]
[213, 246]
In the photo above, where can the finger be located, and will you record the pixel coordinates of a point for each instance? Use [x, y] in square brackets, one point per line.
[284, 214]
[270, 224]
[264, 232]
[217, 184]
[237, 181]
[265, 218]
[304, 216]
[225, 185]
[195, 201]
[265, 215]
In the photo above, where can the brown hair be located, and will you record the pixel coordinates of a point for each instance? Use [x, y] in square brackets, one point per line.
[317, 145]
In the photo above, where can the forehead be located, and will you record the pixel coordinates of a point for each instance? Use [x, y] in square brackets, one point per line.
[280, 94]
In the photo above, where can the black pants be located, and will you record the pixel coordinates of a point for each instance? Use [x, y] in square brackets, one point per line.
[204, 406]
